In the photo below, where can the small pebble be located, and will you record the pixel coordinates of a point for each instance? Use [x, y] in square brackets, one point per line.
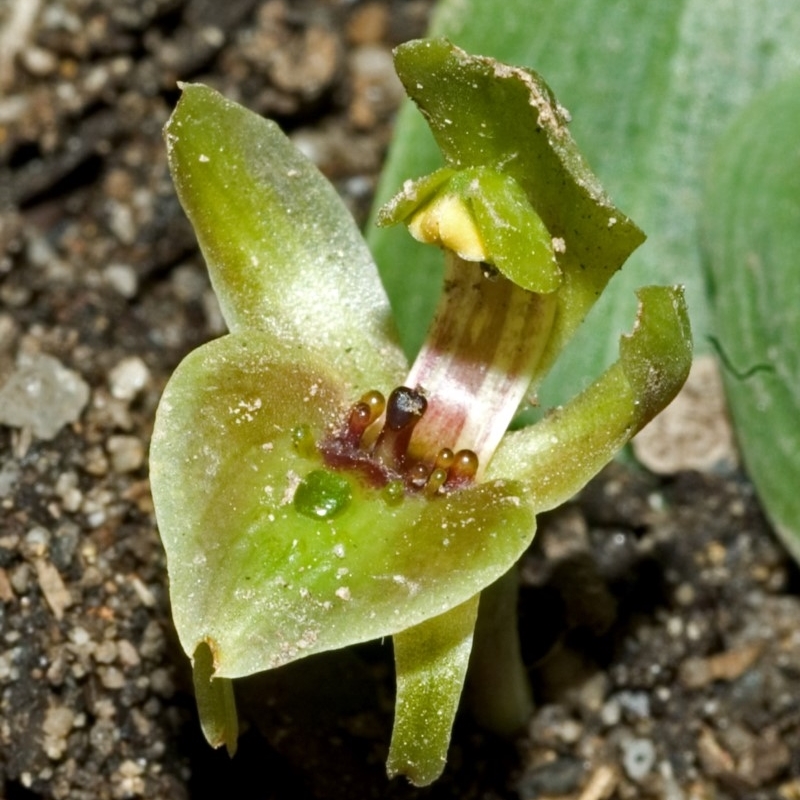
[161, 682]
[36, 542]
[559, 777]
[43, 396]
[638, 757]
[122, 279]
[694, 431]
[58, 722]
[9, 475]
[128, 780]
[368, 24]
[55, 592]
[126, 452]
[112, 678]
[611, 713]
[128, 378]
[105, 652]
[153, 642]
[6, 592]
[128, 656]
[95, 462]
[66, 489]
[38, 62]
[19, 577]
[635, 704]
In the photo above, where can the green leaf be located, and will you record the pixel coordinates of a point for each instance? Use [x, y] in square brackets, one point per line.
[263, 578]
[752, 232]
[650, 87]
[558, 455]
[271, 227]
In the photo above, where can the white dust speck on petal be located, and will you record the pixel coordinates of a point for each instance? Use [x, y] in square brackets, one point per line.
[293, 481]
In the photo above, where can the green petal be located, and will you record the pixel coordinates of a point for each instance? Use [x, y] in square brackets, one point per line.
[413, 196]
[513, 236]
[555, 457]
[431, 661]
[215, 701]
[517, 240]
[263, 583]
[283, 252]
[752, 232]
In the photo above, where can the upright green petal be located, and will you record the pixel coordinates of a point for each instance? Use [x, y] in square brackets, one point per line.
[283, 252]
[651, 87]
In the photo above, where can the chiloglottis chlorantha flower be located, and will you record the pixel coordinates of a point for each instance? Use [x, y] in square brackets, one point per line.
[312, 489]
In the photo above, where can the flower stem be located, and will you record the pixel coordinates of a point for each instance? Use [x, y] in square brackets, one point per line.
[475, 368]
[498, 691]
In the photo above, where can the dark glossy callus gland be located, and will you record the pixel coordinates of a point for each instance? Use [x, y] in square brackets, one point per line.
[405, 408]
[382, 457]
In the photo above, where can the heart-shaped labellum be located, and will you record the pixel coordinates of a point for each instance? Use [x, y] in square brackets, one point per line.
[277, 549]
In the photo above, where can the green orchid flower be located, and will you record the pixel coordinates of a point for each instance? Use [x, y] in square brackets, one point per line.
[312, 489]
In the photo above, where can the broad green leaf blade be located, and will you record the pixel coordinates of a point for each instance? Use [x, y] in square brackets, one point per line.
[283, 252]
[558, 455]
[216, 704]
[650, 87]
[752, 233]
[431, 662]
[265, 578]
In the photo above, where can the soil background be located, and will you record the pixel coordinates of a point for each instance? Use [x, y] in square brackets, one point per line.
[659, 615]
